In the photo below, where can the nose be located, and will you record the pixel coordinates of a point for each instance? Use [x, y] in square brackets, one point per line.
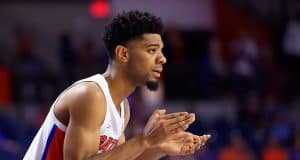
[162, 59]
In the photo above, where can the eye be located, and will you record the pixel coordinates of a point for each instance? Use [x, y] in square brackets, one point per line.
[152, 50]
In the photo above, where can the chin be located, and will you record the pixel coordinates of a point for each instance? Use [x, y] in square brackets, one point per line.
[152, 85]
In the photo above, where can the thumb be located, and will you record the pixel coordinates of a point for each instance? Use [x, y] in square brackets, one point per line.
[160, 111]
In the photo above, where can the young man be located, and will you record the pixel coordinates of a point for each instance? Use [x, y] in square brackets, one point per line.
[88, 119]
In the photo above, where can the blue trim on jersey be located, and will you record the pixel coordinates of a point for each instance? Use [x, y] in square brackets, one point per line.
[51, 135]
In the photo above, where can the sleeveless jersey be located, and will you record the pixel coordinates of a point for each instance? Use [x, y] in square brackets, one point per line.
[48, 142]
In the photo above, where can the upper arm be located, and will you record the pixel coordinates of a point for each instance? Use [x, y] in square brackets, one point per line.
[86, 114]
[122, 138]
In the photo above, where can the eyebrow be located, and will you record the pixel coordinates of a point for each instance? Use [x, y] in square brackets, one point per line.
[154, 45]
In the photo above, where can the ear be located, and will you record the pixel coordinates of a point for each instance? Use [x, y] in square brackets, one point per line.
[122, 53]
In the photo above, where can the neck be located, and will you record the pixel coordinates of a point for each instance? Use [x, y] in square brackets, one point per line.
[120, 86]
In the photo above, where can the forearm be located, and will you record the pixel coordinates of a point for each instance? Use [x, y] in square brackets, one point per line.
[127, 151]
[151, 154]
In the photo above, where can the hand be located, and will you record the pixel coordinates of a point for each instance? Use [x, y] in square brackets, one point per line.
[161, 126]
[184, 143]
[200, 141]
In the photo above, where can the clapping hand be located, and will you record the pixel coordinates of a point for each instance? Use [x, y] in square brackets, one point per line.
[184, 143]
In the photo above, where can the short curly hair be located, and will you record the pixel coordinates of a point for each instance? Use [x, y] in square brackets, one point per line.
[128, 26]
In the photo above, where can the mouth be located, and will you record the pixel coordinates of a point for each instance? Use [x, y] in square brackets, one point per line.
[157, 72]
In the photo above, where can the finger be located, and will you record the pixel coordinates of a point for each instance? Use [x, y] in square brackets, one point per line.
[193, 118]
[179, 123]
[182, 120]
[179, 118]
[156, 114]
[175, 128]
[189, 139]
[154, 118]
[197, 139]
[186, 127]
[179, 136]
[186, 148]
[208, 136]
[189, 150]
[204, 139]
[160, 111]
[192, 150]
[173, 115]
[189, 122]
[197, 147]
[200, 141]
[197, 142]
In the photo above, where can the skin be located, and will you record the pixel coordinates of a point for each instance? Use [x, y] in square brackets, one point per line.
[135, 63]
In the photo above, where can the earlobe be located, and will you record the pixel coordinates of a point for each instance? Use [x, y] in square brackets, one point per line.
[122, 53]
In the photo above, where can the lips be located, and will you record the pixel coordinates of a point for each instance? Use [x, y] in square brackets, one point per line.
[157, 72]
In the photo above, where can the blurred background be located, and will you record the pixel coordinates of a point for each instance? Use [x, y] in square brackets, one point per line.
[235, 63]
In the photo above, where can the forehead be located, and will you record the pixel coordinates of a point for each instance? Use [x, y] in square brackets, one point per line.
[148, 39]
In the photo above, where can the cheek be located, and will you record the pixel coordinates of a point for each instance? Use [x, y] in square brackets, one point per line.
[140, 61]
[139, 67]
[135, 66]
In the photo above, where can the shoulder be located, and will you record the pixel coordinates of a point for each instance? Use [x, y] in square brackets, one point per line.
[82, 94]
[86, 101]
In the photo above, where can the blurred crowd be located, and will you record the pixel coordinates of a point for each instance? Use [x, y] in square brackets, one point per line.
[29, 86]
[267, 113]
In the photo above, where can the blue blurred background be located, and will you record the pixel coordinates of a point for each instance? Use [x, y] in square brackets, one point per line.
[235, 63]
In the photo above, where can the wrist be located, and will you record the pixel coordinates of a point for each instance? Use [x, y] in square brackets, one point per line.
[160, 151]
[145, 142]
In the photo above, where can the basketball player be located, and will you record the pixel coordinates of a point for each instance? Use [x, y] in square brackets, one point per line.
[88, 119]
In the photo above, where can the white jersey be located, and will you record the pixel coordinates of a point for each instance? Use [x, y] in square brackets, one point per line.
[48, 142]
